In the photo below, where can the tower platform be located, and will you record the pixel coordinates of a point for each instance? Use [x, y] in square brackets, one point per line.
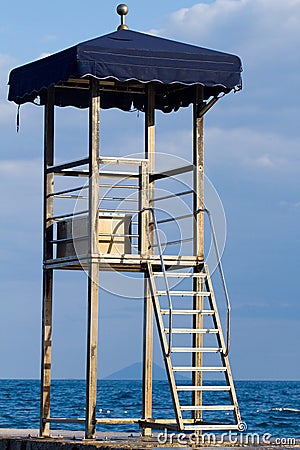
[123, 263]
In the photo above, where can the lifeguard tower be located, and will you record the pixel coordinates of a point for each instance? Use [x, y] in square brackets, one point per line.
[122, 224]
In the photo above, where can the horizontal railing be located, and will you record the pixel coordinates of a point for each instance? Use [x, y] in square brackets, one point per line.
[118, 195]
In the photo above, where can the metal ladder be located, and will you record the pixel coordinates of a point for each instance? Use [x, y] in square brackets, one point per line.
[172, 304]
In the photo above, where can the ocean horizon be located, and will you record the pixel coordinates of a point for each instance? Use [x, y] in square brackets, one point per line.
[266, 406]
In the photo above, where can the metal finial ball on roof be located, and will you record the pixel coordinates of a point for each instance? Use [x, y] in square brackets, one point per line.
[122, 10]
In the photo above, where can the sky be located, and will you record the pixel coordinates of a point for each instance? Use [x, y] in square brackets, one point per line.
[252, 141]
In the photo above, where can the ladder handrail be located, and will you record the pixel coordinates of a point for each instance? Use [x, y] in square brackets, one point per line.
[220, 268]
[163, 269]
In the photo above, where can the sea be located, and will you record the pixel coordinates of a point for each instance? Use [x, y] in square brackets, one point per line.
[271, 407]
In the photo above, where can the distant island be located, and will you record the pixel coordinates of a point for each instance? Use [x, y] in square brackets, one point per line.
[134, 372]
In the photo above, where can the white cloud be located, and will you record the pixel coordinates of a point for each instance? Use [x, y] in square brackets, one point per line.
[43, 55]
[21, 182]
[253, 149]
[261, 28]
[6, 64]
[49, 37]
[290, 204]
[21, 207]
[18, 167]
[264, 161]
[266, 35]
[6, 61]
[7, 110]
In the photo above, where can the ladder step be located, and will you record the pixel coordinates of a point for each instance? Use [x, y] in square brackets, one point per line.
[193, 330]
[199, 369]
[203, 388]
[208, 408]
[188, 311]
[196, 350]
[211, 427]
[181, 275]
[185, 293]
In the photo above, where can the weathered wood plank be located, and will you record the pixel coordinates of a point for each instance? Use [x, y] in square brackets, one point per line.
[93, 265]
[198, 301]
[47, 273]
[148, 194]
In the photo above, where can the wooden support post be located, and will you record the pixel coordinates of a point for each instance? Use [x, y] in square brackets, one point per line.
[93, 265]
[143, 203]
[198, 161]
[147, 233]
[47, 273]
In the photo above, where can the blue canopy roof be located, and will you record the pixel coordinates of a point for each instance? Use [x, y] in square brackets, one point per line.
[129, 57]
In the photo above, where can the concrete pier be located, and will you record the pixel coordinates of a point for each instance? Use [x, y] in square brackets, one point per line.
[15, 439]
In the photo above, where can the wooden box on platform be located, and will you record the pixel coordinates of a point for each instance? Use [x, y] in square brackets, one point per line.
[113, 231]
